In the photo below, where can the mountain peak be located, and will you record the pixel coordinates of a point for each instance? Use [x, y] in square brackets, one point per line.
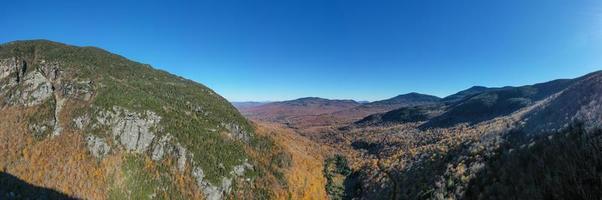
[408, 99]
[121, 109]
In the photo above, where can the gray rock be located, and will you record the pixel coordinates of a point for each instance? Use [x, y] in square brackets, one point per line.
[239, 170]
[8, 67]
[81, 122]
[98, 146]
[132, 130]
[181, 155]
[236, 132]
[11, 74]
[40, 129]
[214, 192]
[161, 148]
[226, 184]
[211, 192]
[199, 175]
[57, 110]
[36, 90]
[50, 70]
[81, 90]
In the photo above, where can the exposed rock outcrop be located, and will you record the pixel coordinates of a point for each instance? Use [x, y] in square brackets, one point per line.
[236, 132]
[166, 146]
[213, 192]
[132, 130]
[81, 122]
[21, 85]
[34, 91]
[98, 146]
[114, 109]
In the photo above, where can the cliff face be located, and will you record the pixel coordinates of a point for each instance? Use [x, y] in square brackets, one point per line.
[95, 125]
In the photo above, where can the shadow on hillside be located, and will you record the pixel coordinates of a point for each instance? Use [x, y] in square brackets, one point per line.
[565, 165]
[12, 187]
[419, 180]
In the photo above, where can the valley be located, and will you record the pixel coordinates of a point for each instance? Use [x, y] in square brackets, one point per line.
[83, 123]
[301, 100]
[424, 147]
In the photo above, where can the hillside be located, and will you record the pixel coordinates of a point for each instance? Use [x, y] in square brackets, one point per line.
[404, 100]
[296, 111]
[402, 115]
[493, 103]
[410, 99]
[479, 143]
[465, 93]
[494, 149]
[83, 123]
[580, 102]
[91, 124]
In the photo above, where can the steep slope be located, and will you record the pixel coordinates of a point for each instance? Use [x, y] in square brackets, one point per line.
[304, 176]
[494, 103]
[95, 125]
[580, 102]
[572, 167]
[552, 140]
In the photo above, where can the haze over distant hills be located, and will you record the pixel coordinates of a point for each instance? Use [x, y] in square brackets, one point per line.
[311, 110]
[473, 105]
[80, 122]
[468, 100]
[284, 110]
[444, 143]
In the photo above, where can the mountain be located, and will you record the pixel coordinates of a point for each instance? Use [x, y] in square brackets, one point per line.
[404, 100]
[285, 111]
[94, 125]
[83, 123]
[493, 103]
[491, 143]
[312, 112]
[402, 115]
[474, 105]
[579, 102]
[465, 93]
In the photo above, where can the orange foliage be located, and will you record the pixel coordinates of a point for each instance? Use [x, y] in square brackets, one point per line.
[305, 176]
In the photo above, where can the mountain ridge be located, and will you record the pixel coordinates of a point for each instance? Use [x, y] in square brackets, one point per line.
[135, 131]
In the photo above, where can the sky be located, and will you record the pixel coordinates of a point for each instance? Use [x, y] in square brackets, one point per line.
[269, 50]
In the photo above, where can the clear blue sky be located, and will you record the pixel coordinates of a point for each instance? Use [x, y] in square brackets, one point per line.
[344, 49]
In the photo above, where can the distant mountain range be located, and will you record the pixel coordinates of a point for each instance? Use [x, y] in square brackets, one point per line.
[80, 122]
[427, 147]
[283, 111]
[473, 105]
[327, 111]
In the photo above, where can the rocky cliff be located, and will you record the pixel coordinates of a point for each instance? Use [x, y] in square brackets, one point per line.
[95, 125]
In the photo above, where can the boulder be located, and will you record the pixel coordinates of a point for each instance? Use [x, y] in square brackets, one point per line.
[98, 147]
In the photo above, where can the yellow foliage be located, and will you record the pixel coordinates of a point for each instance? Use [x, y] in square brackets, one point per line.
[305, 176]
